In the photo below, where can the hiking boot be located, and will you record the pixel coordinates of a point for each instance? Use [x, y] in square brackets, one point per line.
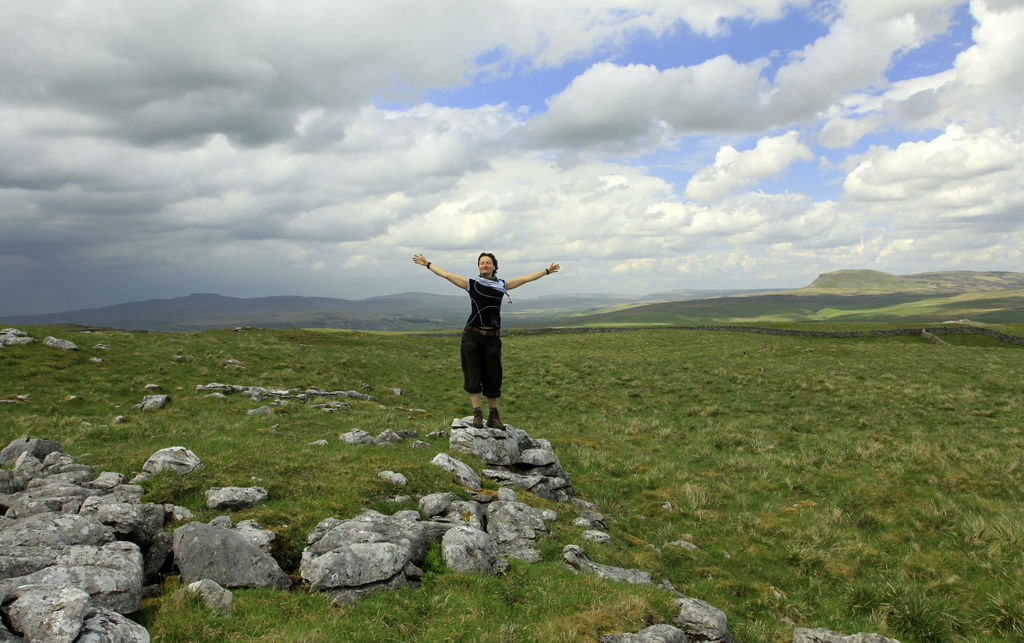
[493, 421]
[478, 419]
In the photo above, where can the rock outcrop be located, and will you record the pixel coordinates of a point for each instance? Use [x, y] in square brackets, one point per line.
[514, 459]
[351, 558]
[821, 635]
[74, 552]
[14, 337]
[226, 557]
[576, 560]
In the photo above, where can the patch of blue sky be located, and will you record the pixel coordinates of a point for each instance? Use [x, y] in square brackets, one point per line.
[936, 55]
[521, 86]
[515, 85]
[742, 40]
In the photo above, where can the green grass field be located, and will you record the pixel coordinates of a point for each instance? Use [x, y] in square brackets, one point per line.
[862, 484]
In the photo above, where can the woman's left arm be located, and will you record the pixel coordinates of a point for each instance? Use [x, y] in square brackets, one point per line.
[533, 276]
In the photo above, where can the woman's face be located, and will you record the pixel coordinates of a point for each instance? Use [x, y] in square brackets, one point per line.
[486, 266]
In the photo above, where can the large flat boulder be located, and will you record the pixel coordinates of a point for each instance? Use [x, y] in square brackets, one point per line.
[225, 557]
[369, 552]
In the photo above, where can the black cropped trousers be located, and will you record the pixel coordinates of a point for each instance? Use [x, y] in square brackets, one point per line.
[481, 363]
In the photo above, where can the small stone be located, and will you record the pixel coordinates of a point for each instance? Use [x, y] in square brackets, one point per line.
[216, 597]
[393, 477]
[60, 343]
[153, 402]
[232, 498]
[596, 536]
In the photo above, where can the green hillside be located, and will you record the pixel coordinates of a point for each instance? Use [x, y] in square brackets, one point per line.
[863, 281]
[858, 484]
[849, 295]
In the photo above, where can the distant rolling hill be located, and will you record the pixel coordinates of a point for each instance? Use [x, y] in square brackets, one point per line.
[204, 310]
[847, 295]
[872, 281]
[409, 311]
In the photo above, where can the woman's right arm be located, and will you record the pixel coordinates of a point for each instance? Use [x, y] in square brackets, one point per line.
[460, 281]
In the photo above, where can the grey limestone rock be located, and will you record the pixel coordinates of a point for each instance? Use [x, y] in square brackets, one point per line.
[555, 488]
[386, 437]
[369, 552]
[257, 535]
[821, 635]
[152, 402]
[139, 523]
[357, 436]
[53, 529]
[232, 498]
[10, 483]
[39, 448]
[596, 536]
[436, 504]
[661, 633]
[176, 459]
[14, 337]
[462, 471]
[590, 520]
[225, 556]
[467, 549]
[28, 467]
[514, 459]
[60, 343]
[46, 496]
[107, 480]
[493, 446]
[393, 477]
[515, 526]
[216, 597]
[43, 612]
[575, 559]
[105, 626]
[702, 621]
[111, 574]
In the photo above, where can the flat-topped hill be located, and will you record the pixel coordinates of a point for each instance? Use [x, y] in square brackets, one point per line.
[954, 281]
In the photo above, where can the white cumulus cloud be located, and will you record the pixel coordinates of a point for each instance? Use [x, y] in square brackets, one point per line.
[733, 170]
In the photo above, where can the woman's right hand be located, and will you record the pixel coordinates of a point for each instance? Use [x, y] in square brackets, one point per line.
[420, 260]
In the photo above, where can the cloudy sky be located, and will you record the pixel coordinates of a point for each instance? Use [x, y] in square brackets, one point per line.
[261, 147]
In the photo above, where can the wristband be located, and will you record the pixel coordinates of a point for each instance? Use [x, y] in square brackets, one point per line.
[547, 271]
[428, 265]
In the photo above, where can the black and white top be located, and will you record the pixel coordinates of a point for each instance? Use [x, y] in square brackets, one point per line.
[486, 294]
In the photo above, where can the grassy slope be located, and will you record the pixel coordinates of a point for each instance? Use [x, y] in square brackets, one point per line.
[952, 281]
[845, 296]
[995, 307]
[860, 485]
